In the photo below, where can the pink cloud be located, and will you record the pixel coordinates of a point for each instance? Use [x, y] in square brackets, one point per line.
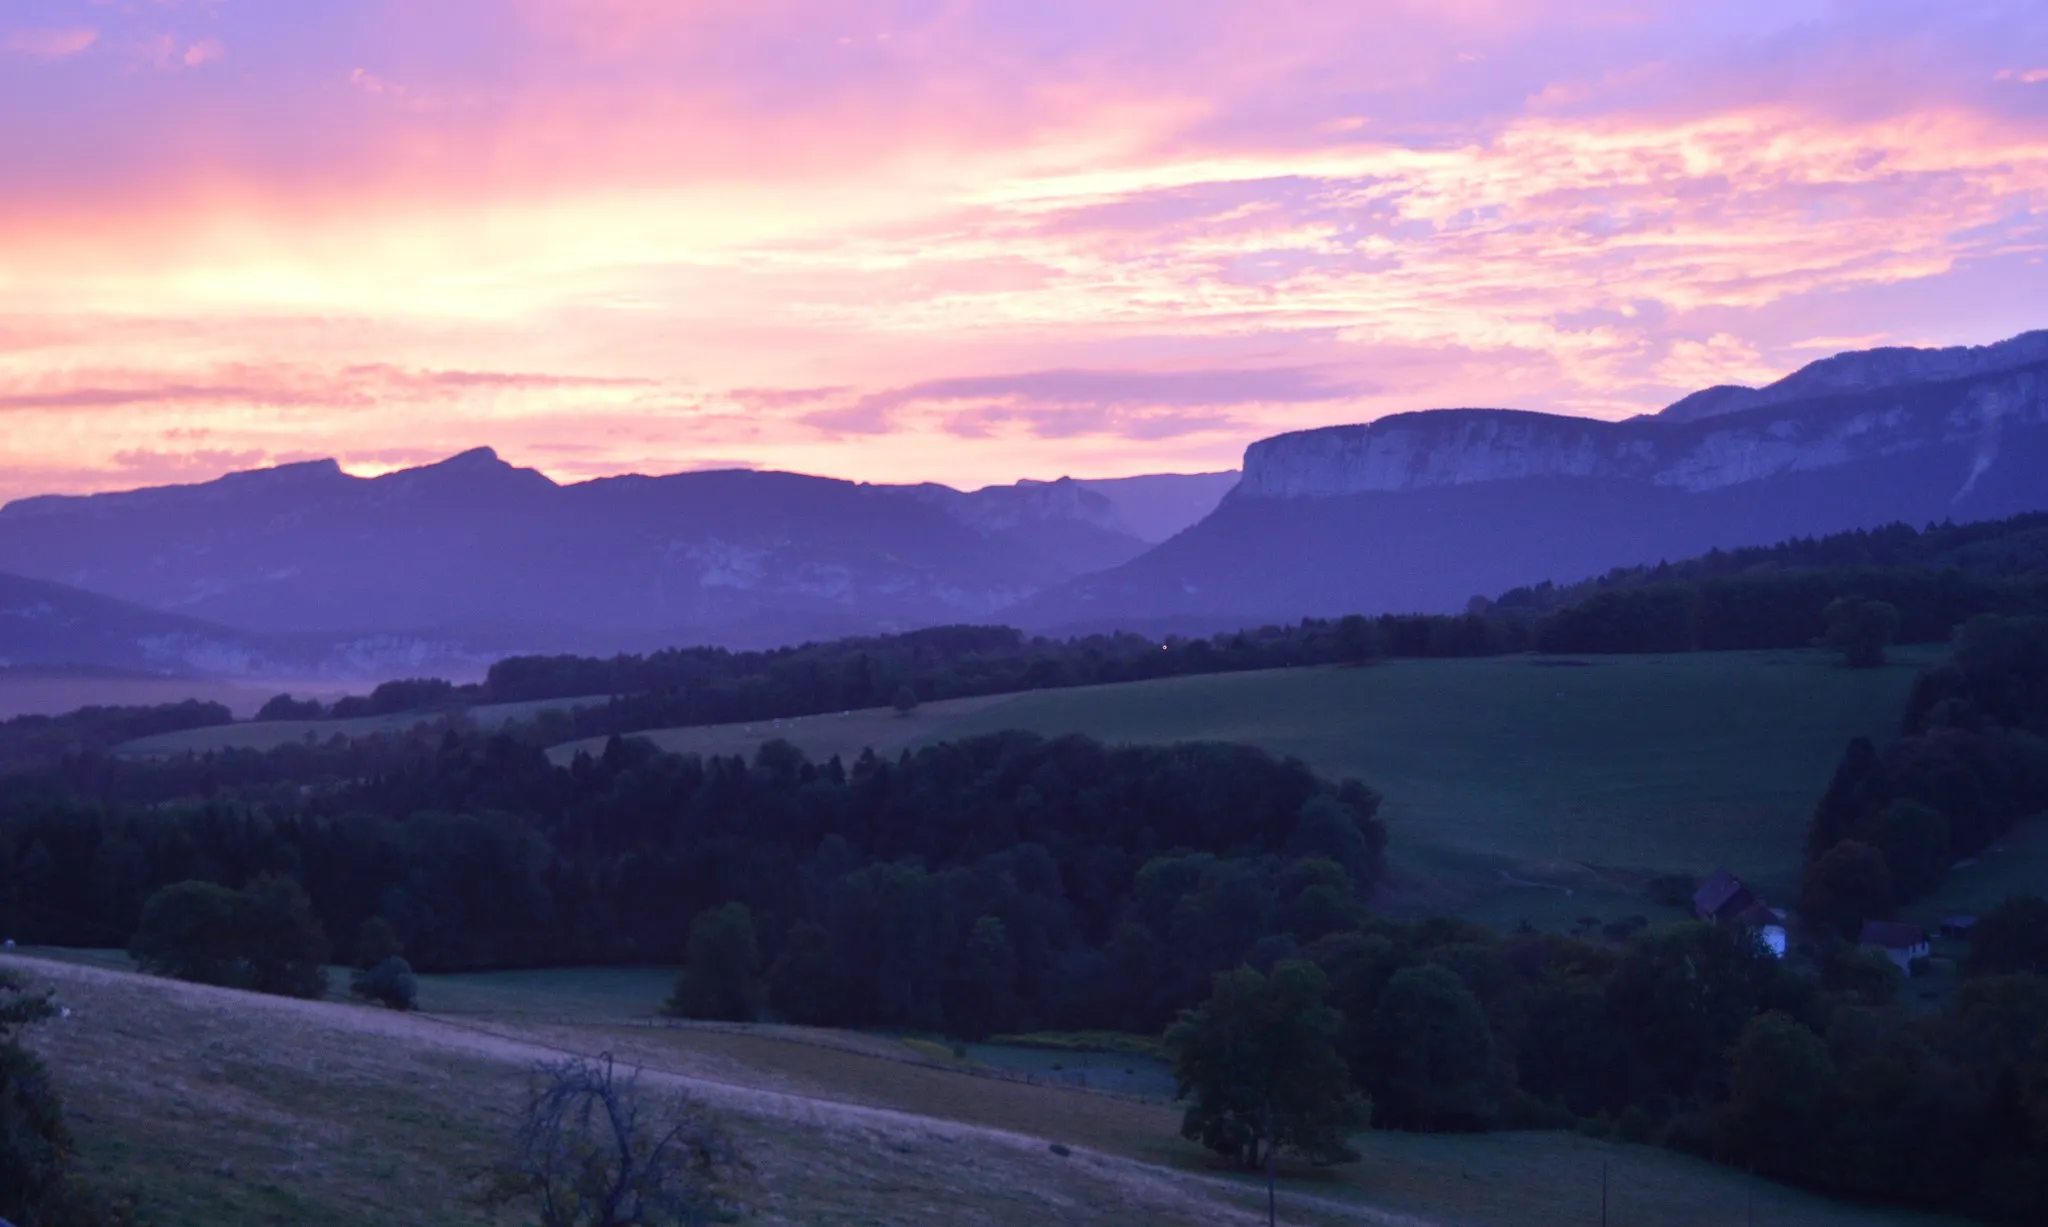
[352, 387]
[204, 51]
[976, 241]
[55, 44]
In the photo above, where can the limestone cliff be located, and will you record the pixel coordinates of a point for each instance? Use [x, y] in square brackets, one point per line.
[1458, 447]
[1423, 511]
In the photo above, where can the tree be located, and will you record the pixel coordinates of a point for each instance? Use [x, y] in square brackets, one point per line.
[722, 978]
[988, 980]
[1357, 640]
[39, 1183]
[1330, 829]
[1834, 818]
[2011, 937]
[1861, 630]
[905, 701]
[1259, 1059]
[390, 983]
[265, 938]
[284, 707]
[1848, 885]
[35, 1147]
[281, 943]
[189, 931]
[1679, 998]
[1915, 841]
[1778, 1086]
[1432, 1054]
[594, 1150]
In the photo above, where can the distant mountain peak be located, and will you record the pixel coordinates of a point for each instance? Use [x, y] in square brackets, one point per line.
[479, 466]
[1865, 370]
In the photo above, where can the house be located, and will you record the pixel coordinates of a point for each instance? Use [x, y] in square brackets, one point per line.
[1901, 943]
[1767, 922]
[1958, 927]
[1722, 897]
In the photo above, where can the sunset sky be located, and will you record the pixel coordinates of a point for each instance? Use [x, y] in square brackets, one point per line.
[968, 242]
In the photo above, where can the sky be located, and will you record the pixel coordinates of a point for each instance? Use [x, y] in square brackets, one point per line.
[966, 242]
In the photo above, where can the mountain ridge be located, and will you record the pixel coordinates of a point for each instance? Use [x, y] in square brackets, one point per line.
[1865, 370]
[479, 556]
[1421, 512]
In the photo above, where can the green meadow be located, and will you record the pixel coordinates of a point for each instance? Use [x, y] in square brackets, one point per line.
[1516, 787]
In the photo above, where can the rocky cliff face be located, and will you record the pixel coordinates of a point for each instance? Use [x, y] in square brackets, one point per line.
[1458, 447]
[1423, 511]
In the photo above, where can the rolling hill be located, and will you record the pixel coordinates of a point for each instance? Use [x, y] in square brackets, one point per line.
[234, 1109]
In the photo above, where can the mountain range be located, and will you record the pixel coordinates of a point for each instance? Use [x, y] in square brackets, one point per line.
[445, 567]
[306, 570]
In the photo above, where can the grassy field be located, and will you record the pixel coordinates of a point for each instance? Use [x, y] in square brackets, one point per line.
[270, 734]
[1515, 788]
[228, 1109]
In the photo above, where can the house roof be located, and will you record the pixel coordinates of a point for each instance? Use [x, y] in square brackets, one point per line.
[1716, 891]
[1892, 935]
[1760, 914]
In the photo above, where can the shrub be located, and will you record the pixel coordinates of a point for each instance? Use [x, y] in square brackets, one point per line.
[390, 983]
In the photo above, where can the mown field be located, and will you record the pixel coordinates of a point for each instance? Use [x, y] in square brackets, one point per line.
[227, 1109]
[1520, 787]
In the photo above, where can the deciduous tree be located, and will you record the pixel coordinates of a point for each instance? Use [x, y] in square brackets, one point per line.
[1258, 1061]
[595, 1149]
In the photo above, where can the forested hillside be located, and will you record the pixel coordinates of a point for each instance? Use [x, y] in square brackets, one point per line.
[1116, 880]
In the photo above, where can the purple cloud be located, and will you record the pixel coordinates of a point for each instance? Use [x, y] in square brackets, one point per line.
[1063, 403]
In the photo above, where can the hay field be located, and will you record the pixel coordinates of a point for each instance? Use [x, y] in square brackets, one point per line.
[227, 1109]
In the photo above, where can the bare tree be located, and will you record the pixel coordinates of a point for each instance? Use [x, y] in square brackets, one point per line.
[594, 1150]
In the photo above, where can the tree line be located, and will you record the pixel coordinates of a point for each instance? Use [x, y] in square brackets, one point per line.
[1970, 761]
[28, 743]
[1933, 580]
[1104, 883]
[1695, 1037]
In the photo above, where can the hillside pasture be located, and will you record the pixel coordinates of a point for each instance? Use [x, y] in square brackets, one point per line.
[230, 1109]
[1516, 787]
